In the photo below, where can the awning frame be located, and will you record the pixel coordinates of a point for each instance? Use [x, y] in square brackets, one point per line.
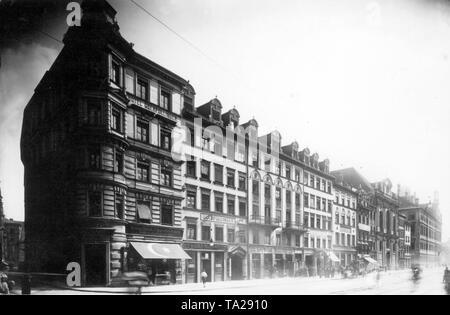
[160, 251]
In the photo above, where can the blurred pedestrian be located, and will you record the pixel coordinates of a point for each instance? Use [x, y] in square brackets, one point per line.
[204, 276]
[4, 287]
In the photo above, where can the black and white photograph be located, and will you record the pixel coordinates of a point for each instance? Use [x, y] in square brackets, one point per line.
[205, 150]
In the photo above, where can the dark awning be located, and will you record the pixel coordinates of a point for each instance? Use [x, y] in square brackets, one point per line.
[160, 251]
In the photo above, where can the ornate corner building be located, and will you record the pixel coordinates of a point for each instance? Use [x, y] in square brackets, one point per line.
[101, 185]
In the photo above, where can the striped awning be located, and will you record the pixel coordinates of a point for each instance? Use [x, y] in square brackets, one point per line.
[160, 251]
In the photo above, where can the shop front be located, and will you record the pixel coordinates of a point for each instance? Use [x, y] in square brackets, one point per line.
[237, 263]
[208, 257]
[162, 262]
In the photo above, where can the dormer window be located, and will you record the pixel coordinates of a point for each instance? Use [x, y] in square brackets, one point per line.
[215, 115]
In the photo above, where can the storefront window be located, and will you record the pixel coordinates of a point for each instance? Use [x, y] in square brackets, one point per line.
[219, 267]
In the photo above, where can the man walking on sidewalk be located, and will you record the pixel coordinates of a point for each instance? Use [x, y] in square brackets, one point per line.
[204, 276]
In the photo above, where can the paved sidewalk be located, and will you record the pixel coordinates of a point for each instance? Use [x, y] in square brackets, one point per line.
[193, 287]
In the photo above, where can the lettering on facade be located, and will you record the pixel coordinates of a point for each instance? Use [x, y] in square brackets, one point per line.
[222, 219]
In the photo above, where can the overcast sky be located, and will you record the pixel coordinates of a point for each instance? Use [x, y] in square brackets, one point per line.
[363, 83]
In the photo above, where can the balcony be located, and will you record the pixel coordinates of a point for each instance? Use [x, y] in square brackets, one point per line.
[293, 225]
[261, 220]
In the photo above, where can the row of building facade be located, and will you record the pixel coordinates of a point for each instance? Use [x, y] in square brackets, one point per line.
[116, 189]
[12, 241]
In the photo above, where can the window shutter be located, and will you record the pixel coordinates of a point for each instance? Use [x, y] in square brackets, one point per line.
[176, 103]
[154, 134]
[130, 125]
[129, 81]
[154, 92]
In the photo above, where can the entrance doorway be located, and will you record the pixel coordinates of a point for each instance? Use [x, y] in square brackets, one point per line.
[206, 265]
[95, 264]
[237, 268]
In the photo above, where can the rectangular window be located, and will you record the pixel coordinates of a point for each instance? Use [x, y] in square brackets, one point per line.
[231, 205]
[231, 178]
[166, 177]
[255, 159]
[119, 206]
[306, 199]
[167, 215]
[288, 172]
[191, 167]
[311, 181]
[231, 235]
[115, 72]
[305, 178]
[219, 203]
[94, 157]
[206, 233]
[242, 182]
[256, 237]
[95, 204]
[118, 163]
[218, 174]
[219, 234]
[166, 140]
[278, 197]
[191, 232]
[143, 172]
[255, 187]
[94, 114]
[312, 202]
[144, 213]
[191, 200]
[267, 164]
[240, 157]
[142, 131]
[142, 89]
[206, 199]
[165, 100]
[116, 120]
[242, 208]
[205, 169]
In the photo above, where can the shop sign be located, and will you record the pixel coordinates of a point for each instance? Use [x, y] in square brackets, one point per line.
[222, 219]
